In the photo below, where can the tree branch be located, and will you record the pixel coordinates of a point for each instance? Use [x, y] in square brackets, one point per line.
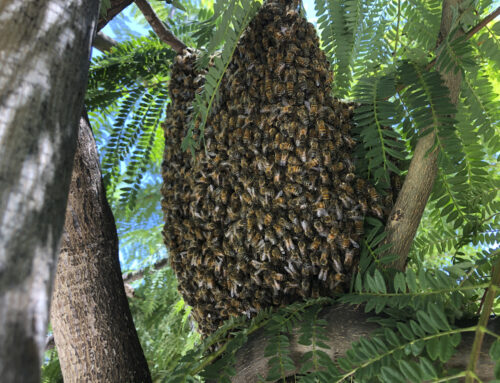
[135, 275]
[116, 7]
[159, 27]
[483, 23]
[345, 325]
[103, 43]
[408, 210]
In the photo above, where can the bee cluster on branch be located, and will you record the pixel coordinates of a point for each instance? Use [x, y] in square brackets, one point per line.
[272, 210]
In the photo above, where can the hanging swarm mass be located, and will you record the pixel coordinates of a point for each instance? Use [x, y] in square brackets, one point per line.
[272, 211]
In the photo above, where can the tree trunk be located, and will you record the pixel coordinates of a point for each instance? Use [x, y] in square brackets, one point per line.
[93, 328]
[409, 207]
[44, 59]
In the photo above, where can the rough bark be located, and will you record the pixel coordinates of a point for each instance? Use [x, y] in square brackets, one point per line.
[44, 59]
[408, 210]
[93, 328]
[345, 325]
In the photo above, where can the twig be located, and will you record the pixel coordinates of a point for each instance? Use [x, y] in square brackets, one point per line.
[483, 23]
[483, 321]
[135, 275]
[159, 27]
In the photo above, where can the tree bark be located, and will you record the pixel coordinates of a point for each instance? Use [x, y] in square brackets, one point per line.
[93, 328]
[345, 325]
[44, 59]
[409, 207]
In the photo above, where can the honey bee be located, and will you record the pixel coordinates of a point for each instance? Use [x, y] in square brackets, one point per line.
[292, 189]
[347, 188]
[301, 153]
[323, 260]
[279, 89]
[312, 163]
[302, 248]
[289, 245]
[289, 58]
[320, 209]
[276, 254]
[302, 83]
[283, 157]
[320, 124]
[323, 274]
[377, 210]
[332, 235]
[372, 192]
[313, 106]
[349, 256]
[302, 61]
[279, 37]
[287, 145]
[290, 88]
[293, 169]
[337, 167]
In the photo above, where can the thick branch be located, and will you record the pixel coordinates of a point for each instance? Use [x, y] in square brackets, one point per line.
[345, 325]
[116, 7]
[103, 43]
[409, 207]
[159, 27]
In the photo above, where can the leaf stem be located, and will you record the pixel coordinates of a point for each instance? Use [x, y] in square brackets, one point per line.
[483, 321]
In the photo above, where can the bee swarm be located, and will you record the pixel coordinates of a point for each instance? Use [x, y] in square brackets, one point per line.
[271, 212]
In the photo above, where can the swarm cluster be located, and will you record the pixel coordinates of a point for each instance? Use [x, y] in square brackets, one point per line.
[271, 211]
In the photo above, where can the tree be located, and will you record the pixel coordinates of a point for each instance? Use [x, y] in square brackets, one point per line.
[461, 213]
[45, 58]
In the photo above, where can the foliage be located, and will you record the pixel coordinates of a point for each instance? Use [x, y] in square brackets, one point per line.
[383, 55]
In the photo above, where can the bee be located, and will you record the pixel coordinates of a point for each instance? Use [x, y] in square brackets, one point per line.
[320, 228]
[377, 210]
[269, 92]
[345, 242]
[300, 97]
[323, 259]
[278, 229]
[372, 192]
[289, 245]
[323, 274]
[320, 208]
[293, 169]
[290, 88]
[347, 188]
[291, 75]
[349, 256]
[289, 58]
[287, 145]
[302, 83]
[302, 61]
[247, 136]
[332, 235]
[313, 106]
[276, 254]
[283, 157]
[280, 201]
[320, 124]
[292, 189]
[279, 37]
[360, 185]
[302, 248]
[325, 177]
[312, 163]
[349, 177]
[277, 177]
[302, 115]
[337, 167]
[279, 89]
[301, 153]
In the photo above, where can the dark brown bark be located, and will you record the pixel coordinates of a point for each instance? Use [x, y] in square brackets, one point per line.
[116, 7]
[44, 59]
[408, 210]
[93, 328]
[345, 325]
